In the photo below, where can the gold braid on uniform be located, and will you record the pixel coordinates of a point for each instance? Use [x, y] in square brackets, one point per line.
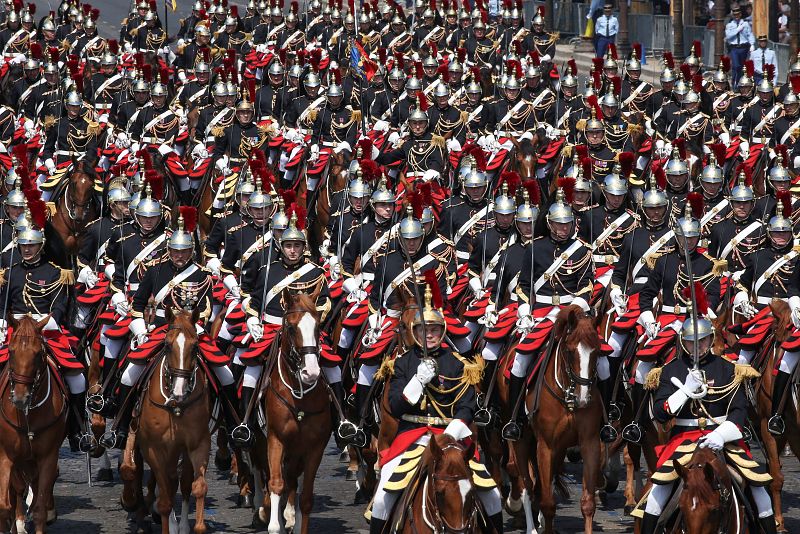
[45, 291]
[247, 146]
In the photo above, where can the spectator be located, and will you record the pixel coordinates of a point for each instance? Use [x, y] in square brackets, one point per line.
[739, 37]
[783, 22]
[761, 56]
[605, 30]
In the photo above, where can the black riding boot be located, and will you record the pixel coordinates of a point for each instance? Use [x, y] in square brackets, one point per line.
[376, 526]
[768, 525]
[607, 433]
[633, 430]
[115, 439]
[362, 412]
[483, 417]
[76, 422]
[495, 523]
[775, 425]
[513, 429]
[227, 403]
[242, 436]
[648, 524]
[344, 430]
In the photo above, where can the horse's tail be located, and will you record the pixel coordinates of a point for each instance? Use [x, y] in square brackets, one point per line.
[561, 487]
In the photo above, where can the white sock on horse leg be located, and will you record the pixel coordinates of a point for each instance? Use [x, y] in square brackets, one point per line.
[745, 356]
[132, 373]
[224, 374]
[462, 345]
[617, 341]
[251, 375]
[491, 351]
[492, 501]
[603, 368]
[366, 374]
[789, 362]
[763, 501]
[521, 364]
[346, 338]
[332, 374]
[76, 382]
[642, 369]
[658, 498]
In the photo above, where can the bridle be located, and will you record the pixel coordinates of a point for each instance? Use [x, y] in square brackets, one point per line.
[70, 205]
[27, 380]
[726, 496]
[169, 374]
[432, 505]
[569, 399]
[294, 358]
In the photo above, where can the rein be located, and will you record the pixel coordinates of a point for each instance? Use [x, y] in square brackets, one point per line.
[568, 399]
[430, 506]
[71, 221]
[727, 498]
[167, 374]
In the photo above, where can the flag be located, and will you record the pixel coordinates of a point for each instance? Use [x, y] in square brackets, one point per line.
[360, 63]
[173, 4]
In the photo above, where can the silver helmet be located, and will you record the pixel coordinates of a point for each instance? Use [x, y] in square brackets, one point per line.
[148, 206]
[504, 204]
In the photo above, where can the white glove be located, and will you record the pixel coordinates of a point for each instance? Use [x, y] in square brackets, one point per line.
[344, 145]
[352, 284]
[91, 279]
[50, 165]
[381, 126]
[580, 301]
[222, 162]
[476, 286]
[694, 387]
[430, 175]
[109, 270]
[139, 330]
[3, 331]
[453, 145]
[199, 152]
[457, 430]
[334, 265]
[524, 310]
[16, 60]
[213, 265]
[741, 303]
[373, 321]
[619, 301]
[120, 304]
[123, 141]
[426, 371]
[313, 153]
[725, 433]
[490, 315]
[796, 317]
[232, 286]
[648, 321]
[182, 76]
[255, 328]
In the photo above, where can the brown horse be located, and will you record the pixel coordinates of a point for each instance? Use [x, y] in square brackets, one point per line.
[441, 498]
[33, 425]
[332, 183]
[75, 209]
[774, 445]
[298, 413]
[173, 424]
[707, 502]
[569, 414]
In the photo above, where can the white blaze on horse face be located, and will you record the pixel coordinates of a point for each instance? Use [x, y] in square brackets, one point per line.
[464, 487]
[584, 358]
[308, 329]
[180, 383]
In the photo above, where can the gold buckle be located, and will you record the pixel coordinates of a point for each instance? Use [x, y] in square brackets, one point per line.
[609, 259]
[556, 300]
[677, 309]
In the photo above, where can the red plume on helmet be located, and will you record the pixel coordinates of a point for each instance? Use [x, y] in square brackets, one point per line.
[444, 73]
[289, 196]
[31, 8]
[534, 57]
[783, 151]
[113, 46]
[748, 173]
[567, 185]
[750, 68]
[695, 200]
[597, 83]
[156, 183]
[725, 62]
[423, 101]
[612, 50]
[461, 53]
[698, 49]
[697, 83]
[415, 201]
[55, 55]
[480, 158]
[785, 198]
[436, 291]
[586, 167]
[425, 190]
[534, 193]
[38, 210]
[512, 180]
[32, 194]
[21, 153]
[147, 72]
[300, 212]
[626, 161]
[720, 152]
[25, 181]
[382, 55]
[769, 72]
[572, 67]
[36, 50]
[78, 79]
[701, 298]
[370, 171]
[794, 80]
[433, 49]
[189, 214]
[147, 159]
[476, 74]
[418, 72]
[661, 176]
[234, 12]
[680, 144]
[400, 61]
[365, 144]
[582, 151]
[686, 72]
[616, 83]
[597, 64]
[592, 100]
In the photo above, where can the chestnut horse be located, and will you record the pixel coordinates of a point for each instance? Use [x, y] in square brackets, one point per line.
[441, 497]
[173, 425]
[33, 405]
[297, 406]
[569, 414]
[327, 199]
[76, 207]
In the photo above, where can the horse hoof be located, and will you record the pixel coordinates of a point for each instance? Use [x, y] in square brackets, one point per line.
[360, 497]
[52, 515]
[246, 500]
[128, 507]
[574, 455]
[257, 523]
[351, 475]
[105, 474]
[628, 509]
[344, 457]
[233, 479]
[222, 463]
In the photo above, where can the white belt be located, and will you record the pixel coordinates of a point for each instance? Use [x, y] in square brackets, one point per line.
[768, 300]
[133, 286]
[554, 300]
[368, 276]
[640, 280]
[68, 153]
[462, 254]
[695, 422]
[607, 259]
[152, 140]
[161, 313]
[102, 106]
[674, 309]
[273, 319]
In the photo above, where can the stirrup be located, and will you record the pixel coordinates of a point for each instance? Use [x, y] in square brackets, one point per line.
[614, 412]
[511, 431]
[242, 436]
[482, 418]
[776, 425]
[112, 439]
[608, 434]
[87, 443]
[360, 439]
[632, 432]
[96, 403]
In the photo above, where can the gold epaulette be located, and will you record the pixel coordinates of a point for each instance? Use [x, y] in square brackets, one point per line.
[67, 277]
[581, 125]
[312, 114]
[635, 129]
[720, 266]
[356, 116]
[473, 370]
[93, 128]
[217, 131]
[652, 379]
[386, 369]
[464, 115]
[743, 371]
[179, 50]
[437, 141]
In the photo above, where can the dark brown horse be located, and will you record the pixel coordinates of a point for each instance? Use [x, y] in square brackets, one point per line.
[332, 183]
[173, 425]
[441, 498]
[569, 414]
[75, 208]
[33, 425]
[297, 406]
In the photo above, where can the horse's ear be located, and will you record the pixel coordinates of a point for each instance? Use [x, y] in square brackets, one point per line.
[681, 470]
[288, 298]
[12, 321]
[436, 450]
[708, 470]
[41, 324]
[169, 314]
[195, 315]
[315, 294]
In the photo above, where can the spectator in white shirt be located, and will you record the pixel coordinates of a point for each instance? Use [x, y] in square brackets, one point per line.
[605, 30]
[761, 56]
[739, 38]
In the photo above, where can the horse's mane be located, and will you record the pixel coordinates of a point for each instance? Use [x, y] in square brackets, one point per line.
[305, 302]
[696, 482]
[26, 327]
[573, 324]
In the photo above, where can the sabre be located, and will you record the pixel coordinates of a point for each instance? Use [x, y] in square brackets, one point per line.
[693, 297]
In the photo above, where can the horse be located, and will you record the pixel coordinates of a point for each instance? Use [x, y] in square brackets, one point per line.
[297, 407]
[327, 196]
[441, 497]
[707, 502]
[774, 445]
[76, 207]
[33, 405]
[569, 413]
[173, 425]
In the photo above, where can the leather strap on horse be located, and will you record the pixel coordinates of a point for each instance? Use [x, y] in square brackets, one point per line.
[298, 415]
